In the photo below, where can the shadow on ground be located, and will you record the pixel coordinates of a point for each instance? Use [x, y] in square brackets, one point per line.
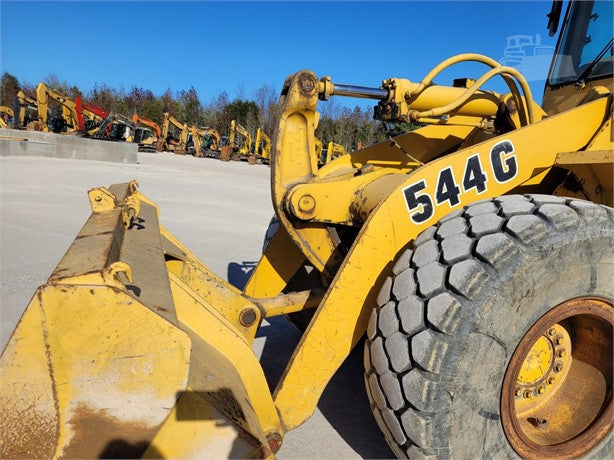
[344, 402]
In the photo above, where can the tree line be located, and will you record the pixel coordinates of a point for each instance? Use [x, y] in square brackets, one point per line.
[339, 124]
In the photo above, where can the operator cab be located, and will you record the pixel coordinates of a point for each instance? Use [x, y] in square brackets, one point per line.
[583, 58]
[142, 134]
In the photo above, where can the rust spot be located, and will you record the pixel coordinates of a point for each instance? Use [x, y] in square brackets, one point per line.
[26, 432]
[99, 435]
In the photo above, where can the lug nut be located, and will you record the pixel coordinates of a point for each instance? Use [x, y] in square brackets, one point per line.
[551, 331]
[559, 340]
[518, 392]
[551, 380]
[561, 353]
[541, 390]
[527, 394]
[558, 367]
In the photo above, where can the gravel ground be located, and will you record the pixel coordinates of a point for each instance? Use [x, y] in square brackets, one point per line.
[218, 210]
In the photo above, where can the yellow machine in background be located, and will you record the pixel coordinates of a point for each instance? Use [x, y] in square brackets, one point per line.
[25, 111]
[194, 141]
[6, 116]
[211, 142]
[332, 151]
[147, 134]
[68, 122]
[174, 135]
[239, 145]
[476, 254]
[262, 147]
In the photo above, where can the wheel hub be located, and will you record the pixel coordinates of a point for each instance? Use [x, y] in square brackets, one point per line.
[556, 399]
[544, 368]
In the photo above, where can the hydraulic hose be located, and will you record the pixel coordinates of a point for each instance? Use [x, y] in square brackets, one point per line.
[507, 76]
[500, 70]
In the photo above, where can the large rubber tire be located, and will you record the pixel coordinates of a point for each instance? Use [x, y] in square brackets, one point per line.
[459, 302]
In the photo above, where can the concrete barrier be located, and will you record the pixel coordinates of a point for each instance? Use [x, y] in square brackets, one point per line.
[15, 142]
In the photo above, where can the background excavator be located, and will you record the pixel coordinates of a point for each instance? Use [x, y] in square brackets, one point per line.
[262, 147]
[66, 121]
[331, 152]
[211, 142]
[147, 133]
[6, 116]
[238, 145]
[89, 116]
[473, 257]
[25, 111]
[115, 128]
[174, 135]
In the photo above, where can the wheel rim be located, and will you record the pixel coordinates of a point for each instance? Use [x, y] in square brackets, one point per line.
[556, 399]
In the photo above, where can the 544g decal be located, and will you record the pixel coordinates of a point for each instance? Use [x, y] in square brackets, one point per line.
[421, 205]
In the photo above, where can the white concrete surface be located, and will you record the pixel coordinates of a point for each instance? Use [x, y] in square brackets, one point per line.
[14, 142]
[220, 211]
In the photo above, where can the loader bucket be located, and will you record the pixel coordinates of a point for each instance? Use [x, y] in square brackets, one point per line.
[134, 348]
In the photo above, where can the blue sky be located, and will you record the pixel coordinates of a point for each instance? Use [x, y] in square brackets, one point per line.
[237, 46]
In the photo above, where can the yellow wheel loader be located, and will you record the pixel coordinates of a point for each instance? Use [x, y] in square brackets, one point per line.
[476, 254]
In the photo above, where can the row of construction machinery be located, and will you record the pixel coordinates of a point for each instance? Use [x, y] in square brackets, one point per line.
[77, 117]
[472, 257]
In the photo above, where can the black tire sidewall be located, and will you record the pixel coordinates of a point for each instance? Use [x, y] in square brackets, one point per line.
[503, 311]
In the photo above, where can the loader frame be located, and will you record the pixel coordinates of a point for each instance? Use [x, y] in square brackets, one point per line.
[123, 262]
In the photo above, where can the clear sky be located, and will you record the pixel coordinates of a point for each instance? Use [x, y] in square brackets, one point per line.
[239, 46]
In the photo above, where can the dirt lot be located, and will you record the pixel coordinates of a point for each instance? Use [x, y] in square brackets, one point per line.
[220, 211]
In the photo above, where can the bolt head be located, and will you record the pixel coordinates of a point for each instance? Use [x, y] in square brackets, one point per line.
[527, 394]
[518, 392]
[561, 353]
[558, 367]
[551, 331]
[275, 440]
[551, 380]
[306, 203]
[559, 341]
[248, 316]
[541, 390]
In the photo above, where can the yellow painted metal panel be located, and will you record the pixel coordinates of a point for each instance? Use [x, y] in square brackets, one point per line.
[341, 318]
